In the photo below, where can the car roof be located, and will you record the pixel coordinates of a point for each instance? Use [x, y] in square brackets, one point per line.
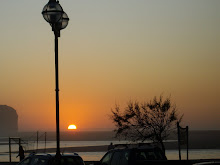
[53, 155]
[136, 146]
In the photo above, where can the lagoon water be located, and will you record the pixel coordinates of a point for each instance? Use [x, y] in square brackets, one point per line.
[95, 156]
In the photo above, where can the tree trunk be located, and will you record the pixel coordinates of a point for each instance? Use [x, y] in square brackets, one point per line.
[163, 147]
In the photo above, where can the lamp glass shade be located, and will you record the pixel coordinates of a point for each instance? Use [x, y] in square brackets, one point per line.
[63, 22]
[52, 12]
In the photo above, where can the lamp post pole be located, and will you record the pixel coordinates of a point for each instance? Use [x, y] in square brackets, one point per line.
[58, 19]
[57, 95]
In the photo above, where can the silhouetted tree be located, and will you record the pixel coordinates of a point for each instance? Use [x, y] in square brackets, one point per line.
[152, 120]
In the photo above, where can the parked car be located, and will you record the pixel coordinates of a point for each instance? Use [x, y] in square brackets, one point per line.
[49, 159]
[133, 154]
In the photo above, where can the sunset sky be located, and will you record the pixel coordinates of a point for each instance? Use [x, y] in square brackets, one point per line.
[110, 53]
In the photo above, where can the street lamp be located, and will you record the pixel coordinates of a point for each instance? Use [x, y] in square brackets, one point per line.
[53, 13]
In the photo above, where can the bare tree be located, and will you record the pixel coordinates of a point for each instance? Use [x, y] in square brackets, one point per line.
[152, 120]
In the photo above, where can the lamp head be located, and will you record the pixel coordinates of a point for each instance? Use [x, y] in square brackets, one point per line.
[52, 12]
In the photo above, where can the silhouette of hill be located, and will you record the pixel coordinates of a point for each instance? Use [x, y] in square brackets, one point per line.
[8, 120]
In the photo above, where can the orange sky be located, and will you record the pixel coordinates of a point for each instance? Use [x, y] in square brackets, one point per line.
[111, 53]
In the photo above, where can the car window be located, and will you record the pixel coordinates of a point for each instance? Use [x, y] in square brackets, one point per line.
[141, 155]
[25, 161]
[106, 159]
[116, 158]
[124, 158]
[68, 160]
[34, 161]
[72, 160]
[42, 162]
[39, 161]
[149, 155]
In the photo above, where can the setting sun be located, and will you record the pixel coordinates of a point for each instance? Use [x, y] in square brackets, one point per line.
[72, 126]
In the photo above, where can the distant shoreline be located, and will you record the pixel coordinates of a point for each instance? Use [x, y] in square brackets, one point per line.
[104, 148]
[197, 139]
